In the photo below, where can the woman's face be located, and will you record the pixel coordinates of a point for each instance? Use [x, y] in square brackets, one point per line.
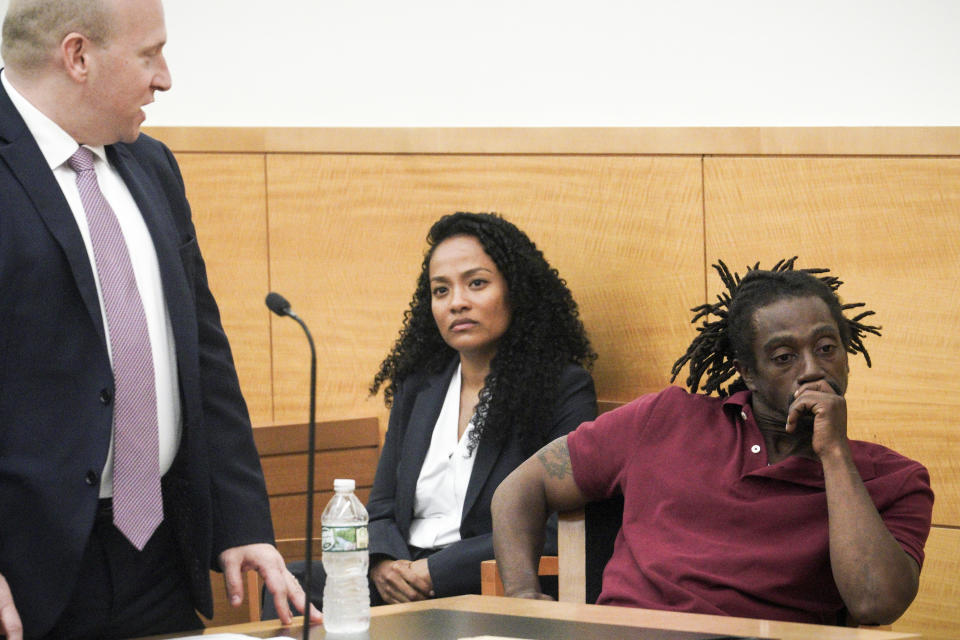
[468, 296]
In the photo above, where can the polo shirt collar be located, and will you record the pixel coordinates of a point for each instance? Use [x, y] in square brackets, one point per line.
[794, 469]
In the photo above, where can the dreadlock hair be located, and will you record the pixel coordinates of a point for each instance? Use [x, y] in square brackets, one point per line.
[730, 336]
[544, 336]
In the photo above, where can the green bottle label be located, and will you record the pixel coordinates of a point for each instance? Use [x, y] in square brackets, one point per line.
[344, 538]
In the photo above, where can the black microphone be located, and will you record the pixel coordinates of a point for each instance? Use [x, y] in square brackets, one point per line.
[280, 306]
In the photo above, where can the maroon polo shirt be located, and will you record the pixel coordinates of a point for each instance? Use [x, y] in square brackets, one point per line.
[710, 527]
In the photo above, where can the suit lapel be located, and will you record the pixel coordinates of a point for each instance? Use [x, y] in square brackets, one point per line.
[25, 161]
[148, 200]
[487, 455]
[423, 418]
[163, 232]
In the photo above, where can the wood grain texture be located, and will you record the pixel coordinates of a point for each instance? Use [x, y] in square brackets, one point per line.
[568, 140]
[491, 585]
[223, 612]
[347, 240]
[572, 556]
[334, 434]
[607, 615]
[890, 228]
[290, 511]
[936, 611]
[287, 474]
[649, 618]
[345, 449]
[345, 237]
[228, 197]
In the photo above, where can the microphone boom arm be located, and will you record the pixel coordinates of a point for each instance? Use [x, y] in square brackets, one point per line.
[279, 305]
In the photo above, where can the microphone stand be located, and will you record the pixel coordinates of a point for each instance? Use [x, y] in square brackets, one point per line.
[279, 305]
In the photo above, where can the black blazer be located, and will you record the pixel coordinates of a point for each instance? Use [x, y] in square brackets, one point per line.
[455, 569]
[56, 382]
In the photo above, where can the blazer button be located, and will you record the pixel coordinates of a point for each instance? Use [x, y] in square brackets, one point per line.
[92, 477]
[106, 396]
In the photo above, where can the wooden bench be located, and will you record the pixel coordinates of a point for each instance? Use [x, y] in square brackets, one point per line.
[345, 449]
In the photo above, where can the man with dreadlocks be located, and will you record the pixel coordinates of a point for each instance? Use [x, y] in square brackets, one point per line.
[749, 503]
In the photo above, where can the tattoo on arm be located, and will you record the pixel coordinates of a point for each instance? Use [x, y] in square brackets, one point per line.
[555, 458]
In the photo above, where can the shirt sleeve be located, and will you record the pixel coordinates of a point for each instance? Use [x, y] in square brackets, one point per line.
[907, 511]
[600, 450]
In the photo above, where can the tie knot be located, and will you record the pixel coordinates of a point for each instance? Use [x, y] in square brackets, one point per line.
[81, 160]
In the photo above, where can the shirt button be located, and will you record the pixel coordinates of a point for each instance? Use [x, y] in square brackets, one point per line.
[755, 448]
[743, 416]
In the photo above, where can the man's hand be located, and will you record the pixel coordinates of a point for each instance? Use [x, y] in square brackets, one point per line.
[402, 580]
[267, 561]
[529, 595]
[829, 410]
[874, 575]
[10, 624]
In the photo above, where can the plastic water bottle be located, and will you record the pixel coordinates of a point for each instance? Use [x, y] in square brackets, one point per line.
[346, 594]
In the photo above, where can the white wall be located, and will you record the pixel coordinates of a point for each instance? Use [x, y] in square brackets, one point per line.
[561, 62]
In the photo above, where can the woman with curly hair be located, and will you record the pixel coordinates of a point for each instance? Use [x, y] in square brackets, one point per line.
[488, 367]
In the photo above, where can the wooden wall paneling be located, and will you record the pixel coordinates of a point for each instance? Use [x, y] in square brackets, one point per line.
[290, 511]
[629, 234]
[345, 449]
[936, 611]
[290, 520]
[287, 473]
[903, 141]
[890, 228]
[331, 434]
[347, 239]
[227, 194]
[223, 612]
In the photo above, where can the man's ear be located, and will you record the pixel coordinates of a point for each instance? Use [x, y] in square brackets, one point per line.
[746, 373]
[74, 56]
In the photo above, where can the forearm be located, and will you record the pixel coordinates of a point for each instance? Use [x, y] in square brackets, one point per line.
[876, 578]
[519, 516]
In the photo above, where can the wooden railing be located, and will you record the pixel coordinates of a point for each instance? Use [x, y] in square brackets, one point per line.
[345, 449]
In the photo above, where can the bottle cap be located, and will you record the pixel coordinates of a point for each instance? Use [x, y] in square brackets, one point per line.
[344, 484]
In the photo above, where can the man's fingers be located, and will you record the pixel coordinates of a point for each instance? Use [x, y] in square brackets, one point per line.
[278, 589]
[10, 623]
[282, 606]
[282, 585]
[232, 579]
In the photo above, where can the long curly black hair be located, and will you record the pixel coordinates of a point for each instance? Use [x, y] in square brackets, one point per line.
[544, 336]
[730, 336]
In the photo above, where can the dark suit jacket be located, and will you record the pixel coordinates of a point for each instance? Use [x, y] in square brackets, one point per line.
[456, 568]
[56, 382]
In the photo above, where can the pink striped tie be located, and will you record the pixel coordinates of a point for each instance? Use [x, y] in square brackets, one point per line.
[137, 502]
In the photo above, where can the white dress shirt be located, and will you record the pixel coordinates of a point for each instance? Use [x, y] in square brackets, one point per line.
[444, 476]
[57, 146]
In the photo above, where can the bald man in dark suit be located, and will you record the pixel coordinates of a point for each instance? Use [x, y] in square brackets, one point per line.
[77, 74]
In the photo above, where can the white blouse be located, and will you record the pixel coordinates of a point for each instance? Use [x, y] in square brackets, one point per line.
[442, 485]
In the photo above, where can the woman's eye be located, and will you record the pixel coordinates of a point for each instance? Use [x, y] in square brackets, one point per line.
[439, 291]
